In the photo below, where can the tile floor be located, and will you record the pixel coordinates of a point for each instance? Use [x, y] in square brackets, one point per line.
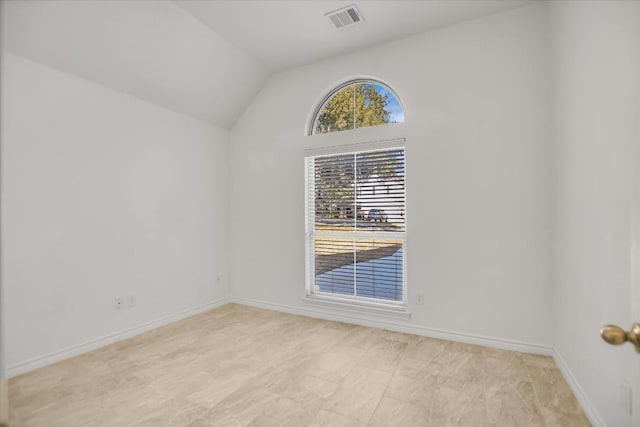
[243, 366]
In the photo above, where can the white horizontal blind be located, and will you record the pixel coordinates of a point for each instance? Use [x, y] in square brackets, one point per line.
[356, 224]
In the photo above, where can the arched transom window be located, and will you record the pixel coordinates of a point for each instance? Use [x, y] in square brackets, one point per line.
[357, 104]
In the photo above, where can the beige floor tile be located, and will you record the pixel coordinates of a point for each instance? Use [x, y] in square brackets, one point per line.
[411, 390]
[305, 389]
[361, 378]
[463, 365]
[332, 366]
[461, 347]
[329, 419]
[242, 366]
[399, 336]
[386, 358]
[531, 360]
[470, 414]
[522, 417]
[505, 367]
[392, 412]
[424, 349]
[552, 391]
[511, 402]
[559, 419]
[357, 405]
[420, 370]
[224, 383]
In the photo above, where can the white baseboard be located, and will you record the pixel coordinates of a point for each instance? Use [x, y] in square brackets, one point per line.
[391, 325]
[41, 361]
[75, 350]
[587, 406]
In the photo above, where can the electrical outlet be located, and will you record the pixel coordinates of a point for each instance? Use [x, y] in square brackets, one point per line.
[131, 300]
[117, 305]
[419, 299]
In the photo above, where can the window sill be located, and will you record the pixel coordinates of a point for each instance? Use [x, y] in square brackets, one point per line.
[362, 307]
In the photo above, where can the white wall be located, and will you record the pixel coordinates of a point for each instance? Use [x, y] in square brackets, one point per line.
[597, 129]
[103, 195]
[478, 176]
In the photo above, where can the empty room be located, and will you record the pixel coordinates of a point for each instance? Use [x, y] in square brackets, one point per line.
[320, 213]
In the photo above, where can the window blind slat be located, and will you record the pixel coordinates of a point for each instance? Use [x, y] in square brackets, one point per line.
[356, 195]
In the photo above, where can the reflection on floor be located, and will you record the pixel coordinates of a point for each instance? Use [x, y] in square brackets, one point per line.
[238, 366]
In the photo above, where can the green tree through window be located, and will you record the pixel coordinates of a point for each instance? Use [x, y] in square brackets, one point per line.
[357, 105]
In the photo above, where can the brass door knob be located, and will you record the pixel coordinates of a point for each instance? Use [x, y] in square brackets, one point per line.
[615, 335]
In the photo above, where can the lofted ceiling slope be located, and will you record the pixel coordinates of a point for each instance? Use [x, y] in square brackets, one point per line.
[153, 50]
[208, 59]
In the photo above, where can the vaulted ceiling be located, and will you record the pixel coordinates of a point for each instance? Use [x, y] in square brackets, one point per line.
[285, 34]
[208, 59]
[153, 50]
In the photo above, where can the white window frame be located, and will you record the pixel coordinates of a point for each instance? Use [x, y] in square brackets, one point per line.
[365, 305]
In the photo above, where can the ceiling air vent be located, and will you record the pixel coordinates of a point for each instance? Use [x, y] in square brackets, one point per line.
[345, 17]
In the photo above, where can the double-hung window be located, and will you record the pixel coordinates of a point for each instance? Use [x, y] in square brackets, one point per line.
[355, 225]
